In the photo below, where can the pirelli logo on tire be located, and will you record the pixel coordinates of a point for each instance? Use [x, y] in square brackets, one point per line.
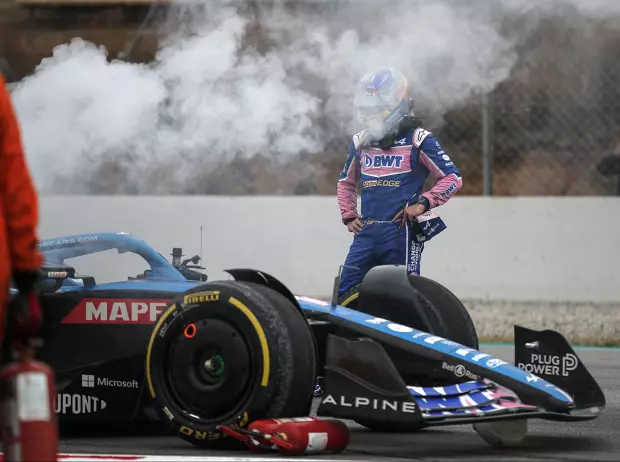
[202, 297]
[211, 435]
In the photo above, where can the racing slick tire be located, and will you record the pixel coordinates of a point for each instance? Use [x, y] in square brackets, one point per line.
[458, 322]
[229, 353]
[447, 315]
[448, 318]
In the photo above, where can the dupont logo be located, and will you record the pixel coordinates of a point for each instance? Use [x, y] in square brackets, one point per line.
[78, 404]
[90, 381]
[116, 311]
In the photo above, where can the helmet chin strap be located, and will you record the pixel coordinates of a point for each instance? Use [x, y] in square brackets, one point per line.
[409, 122]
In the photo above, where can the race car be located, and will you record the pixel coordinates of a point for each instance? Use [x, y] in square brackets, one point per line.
[398, 353]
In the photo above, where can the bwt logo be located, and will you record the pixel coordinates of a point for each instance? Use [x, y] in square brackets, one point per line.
[382, 160]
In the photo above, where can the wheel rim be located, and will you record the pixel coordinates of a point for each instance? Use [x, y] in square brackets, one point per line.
[210, 374]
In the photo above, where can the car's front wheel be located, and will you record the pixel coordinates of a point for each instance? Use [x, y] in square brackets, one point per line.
[229, 352]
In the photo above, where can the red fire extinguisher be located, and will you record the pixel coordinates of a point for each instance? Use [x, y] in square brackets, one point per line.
[263, 431]
[312, 437]
[301, 435]
[28, 419]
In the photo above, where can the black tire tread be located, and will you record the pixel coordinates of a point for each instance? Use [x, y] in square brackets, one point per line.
[293, 359]
[454, 313]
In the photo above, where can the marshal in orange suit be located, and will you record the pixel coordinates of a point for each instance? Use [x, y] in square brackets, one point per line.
[19, 258]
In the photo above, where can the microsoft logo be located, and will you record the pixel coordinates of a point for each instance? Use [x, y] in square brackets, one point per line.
[88, 381]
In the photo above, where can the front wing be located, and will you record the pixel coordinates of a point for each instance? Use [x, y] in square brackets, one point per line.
[362, 383]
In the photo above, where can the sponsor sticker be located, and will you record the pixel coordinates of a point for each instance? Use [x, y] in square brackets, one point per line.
[464, 351]
[377, 404]
[116, 311]
[373, 183]
[376, 321]
[493, 363]
[399, 328]
[551, 365]
[459, 371]
[57, 274]
[90, 381]
[448, 191]
[56, 242]
[78, 404]
[382, 160]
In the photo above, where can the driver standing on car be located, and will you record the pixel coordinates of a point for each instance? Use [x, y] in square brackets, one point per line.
[392, 157]
[19, 257]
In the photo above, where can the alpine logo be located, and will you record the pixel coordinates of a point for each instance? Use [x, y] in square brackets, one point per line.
[377, 404]
[382, 160]
[116, 311]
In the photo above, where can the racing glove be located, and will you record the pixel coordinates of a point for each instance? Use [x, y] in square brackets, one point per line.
[25, 315]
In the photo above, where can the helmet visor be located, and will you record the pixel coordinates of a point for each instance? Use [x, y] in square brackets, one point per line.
[371, 105]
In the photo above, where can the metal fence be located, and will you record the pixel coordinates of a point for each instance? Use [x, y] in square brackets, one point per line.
[550, 126]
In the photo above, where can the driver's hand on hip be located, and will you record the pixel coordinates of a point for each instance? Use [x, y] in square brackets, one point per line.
[355, 226]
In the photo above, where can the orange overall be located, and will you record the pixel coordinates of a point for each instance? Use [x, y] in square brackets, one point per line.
[18, 205]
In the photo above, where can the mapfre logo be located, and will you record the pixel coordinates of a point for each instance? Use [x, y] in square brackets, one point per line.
[116, 311]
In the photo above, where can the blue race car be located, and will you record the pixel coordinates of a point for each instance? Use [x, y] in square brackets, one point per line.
[398, 353]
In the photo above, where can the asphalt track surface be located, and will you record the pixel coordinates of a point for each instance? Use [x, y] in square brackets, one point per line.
[597, 440]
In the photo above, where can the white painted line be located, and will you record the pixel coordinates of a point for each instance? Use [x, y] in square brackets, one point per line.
[144, 458]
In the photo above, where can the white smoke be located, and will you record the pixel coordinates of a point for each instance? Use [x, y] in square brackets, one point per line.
[208, 97]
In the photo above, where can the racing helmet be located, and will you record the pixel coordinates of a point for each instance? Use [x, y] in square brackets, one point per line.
[382, 101]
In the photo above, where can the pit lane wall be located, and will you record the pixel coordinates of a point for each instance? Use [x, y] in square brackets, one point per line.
[542, 261]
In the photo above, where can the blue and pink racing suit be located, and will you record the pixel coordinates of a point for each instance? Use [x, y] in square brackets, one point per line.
[390, 180]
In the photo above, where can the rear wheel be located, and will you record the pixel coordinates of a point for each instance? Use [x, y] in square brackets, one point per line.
[229, 352]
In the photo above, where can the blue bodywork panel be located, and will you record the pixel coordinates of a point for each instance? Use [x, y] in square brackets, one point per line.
[431, 342]
[165, 277]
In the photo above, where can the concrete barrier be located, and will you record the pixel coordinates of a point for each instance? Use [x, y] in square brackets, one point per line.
[513, 258]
